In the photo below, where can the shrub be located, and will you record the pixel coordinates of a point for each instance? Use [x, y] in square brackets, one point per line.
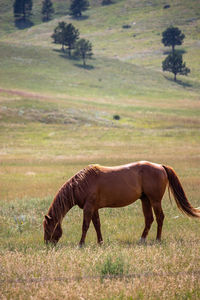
[166, 6]
[106, 2]
[126, 26]
[116, 117]
[113, 268]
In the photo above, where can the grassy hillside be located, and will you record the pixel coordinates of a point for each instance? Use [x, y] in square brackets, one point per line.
[139, 45]
[8, 23]
[56, 117]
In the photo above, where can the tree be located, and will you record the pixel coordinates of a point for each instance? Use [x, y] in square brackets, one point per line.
[78, 6]
[106, 2]
[66, 35]
[47, 10]
[71, 36]
[83, 49]
[172, 36]
[58, 35]
[174, 63]
[22, 9]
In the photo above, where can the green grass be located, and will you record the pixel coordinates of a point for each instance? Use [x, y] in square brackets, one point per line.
[47, 71]
[56, 117]
[119, 58]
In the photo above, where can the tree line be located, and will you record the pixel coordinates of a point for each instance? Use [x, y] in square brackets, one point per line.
[22, 9]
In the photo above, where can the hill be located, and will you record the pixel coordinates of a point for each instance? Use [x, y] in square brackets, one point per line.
[121, 55]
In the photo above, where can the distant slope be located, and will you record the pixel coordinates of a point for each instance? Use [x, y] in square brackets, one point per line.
[127, 61]
[49, 71]
[6, 13]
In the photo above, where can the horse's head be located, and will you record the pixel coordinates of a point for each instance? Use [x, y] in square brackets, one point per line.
[52, 230]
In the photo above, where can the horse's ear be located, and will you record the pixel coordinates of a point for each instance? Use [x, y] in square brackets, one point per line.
[47, 218]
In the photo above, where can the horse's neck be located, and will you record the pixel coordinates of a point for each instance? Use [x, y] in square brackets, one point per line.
[62, 203]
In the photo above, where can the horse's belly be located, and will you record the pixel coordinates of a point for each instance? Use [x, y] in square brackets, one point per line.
[118, 197]
[120, 203]
[119, 188]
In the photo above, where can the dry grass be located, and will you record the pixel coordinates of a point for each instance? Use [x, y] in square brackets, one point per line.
[72, 273]
[37, 158]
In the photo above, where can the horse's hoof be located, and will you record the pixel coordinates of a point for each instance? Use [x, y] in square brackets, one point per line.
[100, 243]
[142, 241]
[158, 241]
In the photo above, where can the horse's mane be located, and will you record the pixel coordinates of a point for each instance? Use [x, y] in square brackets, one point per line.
[68, 195]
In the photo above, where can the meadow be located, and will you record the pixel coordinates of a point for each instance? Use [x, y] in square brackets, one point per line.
[57, 117]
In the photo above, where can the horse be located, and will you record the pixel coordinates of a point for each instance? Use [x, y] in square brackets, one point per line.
[97, 186]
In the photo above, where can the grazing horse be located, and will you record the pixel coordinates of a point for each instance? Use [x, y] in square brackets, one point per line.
[97, 186]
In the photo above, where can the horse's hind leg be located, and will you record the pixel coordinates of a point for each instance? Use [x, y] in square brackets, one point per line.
[148, 216]
[159, 218]
[97, 226]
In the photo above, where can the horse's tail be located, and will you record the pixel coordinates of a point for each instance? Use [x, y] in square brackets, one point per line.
[179, 194]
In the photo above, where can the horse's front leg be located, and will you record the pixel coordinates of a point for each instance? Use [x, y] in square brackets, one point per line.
[87, 217]
[97, 226]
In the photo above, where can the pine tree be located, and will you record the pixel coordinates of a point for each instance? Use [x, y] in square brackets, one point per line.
[22, 9]
[174, 63]
[78, 6]
[47, 10]
[58, 35]
[83, 49]
[66, 35]
[71, 36]
[172, 36]
[106, 2]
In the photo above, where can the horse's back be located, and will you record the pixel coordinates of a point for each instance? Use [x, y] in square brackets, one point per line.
[122, 185]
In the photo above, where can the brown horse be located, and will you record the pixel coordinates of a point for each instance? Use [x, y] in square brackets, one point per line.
[96, 187]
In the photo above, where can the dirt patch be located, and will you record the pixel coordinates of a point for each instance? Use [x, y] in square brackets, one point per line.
[25, 94]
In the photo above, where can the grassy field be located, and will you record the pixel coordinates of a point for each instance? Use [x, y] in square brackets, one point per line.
[56, 117]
